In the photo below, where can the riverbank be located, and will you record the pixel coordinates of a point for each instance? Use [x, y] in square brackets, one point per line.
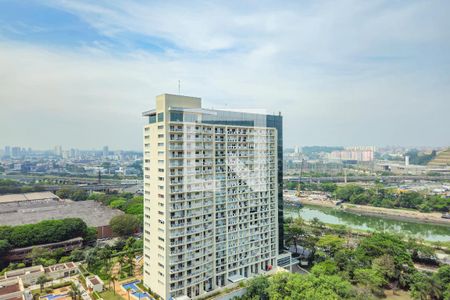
[363, 223]
[388, 213]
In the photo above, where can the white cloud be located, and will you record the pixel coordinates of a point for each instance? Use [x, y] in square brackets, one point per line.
[349, 72]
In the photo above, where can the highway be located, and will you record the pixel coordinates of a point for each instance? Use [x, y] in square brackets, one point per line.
[398, 178]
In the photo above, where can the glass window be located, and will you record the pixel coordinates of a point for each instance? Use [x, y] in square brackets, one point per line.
[152, 119]
[176, 116]
[160, 117]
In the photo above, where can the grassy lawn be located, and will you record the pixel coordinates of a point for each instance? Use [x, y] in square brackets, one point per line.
[109, 295]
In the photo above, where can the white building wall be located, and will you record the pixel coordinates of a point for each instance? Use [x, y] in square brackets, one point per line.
[210, 202]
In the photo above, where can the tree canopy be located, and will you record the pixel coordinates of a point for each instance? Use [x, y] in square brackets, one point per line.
[49, 231]
[125, 225]
[295, 286]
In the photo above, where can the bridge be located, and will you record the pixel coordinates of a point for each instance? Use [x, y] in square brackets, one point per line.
[54, 183]
[55, 179]
[89, 187]
[398, 178]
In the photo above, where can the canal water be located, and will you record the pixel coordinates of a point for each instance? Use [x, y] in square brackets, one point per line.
[329, 215]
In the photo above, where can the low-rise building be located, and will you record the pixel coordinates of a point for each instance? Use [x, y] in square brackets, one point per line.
[11, 289]
[28, 276]
[61, 270]
[94, 283]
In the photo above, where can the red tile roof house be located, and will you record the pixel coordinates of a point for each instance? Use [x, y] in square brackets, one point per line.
[11, 289]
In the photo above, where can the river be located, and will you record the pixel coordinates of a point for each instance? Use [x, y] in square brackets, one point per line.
[429, 232]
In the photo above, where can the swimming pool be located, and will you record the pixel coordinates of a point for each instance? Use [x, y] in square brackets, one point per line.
[53, 297]
[134, 290]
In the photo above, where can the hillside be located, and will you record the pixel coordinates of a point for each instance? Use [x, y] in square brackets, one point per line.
[441, 159]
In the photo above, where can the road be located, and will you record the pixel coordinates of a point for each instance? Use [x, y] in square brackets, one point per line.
[398, 178]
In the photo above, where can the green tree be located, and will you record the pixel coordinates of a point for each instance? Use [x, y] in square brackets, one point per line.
[5, 246]
[328, 187]
[76, 291]
[48, 231]
[295, 231]
[425, 287]
[91, 258]
[443, 274]
[410, 199]
[295, 286]
[132, 266]
[39, 255]
[385, 266]
[257, 289]
[379, 244]
[330, 244]
[113, 279]
[370, 279]
[41, 280]
[119, 204]
[346, 261]
[327, 267]
[73, 194]
[347, 191]
[124, 225]
[77, 255]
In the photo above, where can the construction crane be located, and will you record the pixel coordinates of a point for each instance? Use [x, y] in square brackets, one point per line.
[297, 193]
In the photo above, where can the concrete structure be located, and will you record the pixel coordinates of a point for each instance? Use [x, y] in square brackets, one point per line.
[11, 289]
[20, 254]
[29, 275]
[94, 283]
[361, 154]
[61, 270]
[28, 197]
[212, 200]
[31, 208]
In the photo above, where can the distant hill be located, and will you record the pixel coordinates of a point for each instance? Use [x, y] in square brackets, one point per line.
[441, 159]
[421, 159]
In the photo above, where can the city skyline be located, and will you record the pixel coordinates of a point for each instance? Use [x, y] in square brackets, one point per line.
[51, 148]
[347, 73]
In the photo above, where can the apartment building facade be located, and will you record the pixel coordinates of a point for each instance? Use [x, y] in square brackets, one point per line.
[212, 206]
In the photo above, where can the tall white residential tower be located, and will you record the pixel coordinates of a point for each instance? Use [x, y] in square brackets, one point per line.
[212, 205]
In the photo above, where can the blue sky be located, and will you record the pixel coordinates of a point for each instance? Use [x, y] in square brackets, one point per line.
[78, 73]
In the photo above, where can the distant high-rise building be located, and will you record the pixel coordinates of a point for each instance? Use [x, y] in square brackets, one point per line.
[105, 151]
[213, 196]
[74, 153]
[361, 153]
[16, 152]
[7, 152]
[58, 150]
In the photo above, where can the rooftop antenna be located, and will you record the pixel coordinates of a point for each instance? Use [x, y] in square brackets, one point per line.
[179, 87]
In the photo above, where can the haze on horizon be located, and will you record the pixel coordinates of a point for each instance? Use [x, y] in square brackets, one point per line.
[79, 74]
